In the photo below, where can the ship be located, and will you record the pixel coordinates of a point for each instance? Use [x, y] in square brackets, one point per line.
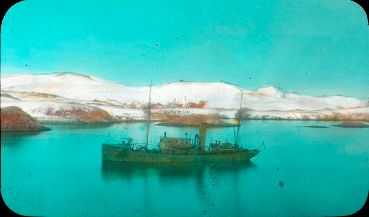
[179, 150]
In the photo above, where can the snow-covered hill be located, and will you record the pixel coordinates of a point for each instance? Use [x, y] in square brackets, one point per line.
[40, 94]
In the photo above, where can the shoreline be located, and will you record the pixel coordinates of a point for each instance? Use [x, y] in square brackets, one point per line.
[209, 125]
[25, 130]
[164, 123]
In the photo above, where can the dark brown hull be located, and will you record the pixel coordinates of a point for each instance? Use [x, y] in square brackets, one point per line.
[118, 153]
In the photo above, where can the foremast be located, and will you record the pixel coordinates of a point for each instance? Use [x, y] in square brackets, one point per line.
[239, 120]
[148, 118]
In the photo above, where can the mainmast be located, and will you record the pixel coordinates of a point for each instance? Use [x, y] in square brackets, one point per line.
[239, 120]
[148, 117]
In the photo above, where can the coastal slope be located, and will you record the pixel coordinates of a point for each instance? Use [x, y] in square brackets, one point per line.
[76, 97]
[15, 119]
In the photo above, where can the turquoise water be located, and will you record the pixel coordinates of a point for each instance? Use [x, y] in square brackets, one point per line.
[299, 171]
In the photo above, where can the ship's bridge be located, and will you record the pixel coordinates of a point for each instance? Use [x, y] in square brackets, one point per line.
[175, 140]
[177, 143]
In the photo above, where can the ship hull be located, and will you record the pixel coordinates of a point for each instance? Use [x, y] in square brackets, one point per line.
[112, 152]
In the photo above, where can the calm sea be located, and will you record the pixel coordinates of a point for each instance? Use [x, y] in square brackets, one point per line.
[299, 171]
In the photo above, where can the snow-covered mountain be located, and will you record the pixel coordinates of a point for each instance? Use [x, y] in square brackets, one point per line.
[63, 96]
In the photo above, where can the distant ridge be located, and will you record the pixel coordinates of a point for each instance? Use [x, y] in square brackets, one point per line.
[83, 93]
[72, 73]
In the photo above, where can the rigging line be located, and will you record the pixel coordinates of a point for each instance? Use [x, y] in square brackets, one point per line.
[148, 117]
[239, 119]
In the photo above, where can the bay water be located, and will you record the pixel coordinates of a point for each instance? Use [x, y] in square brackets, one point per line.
[300, 171]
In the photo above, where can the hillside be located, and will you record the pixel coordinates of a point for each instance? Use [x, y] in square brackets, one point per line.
[15, 119]
[77, 97]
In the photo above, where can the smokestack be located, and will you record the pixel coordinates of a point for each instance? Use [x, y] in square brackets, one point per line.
[202, 138]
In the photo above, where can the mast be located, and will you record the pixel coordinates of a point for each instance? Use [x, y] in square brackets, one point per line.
[148, 118]
[239, 120]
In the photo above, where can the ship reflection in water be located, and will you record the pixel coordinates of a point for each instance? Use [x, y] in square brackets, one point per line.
[205, 177]
[129, 170]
